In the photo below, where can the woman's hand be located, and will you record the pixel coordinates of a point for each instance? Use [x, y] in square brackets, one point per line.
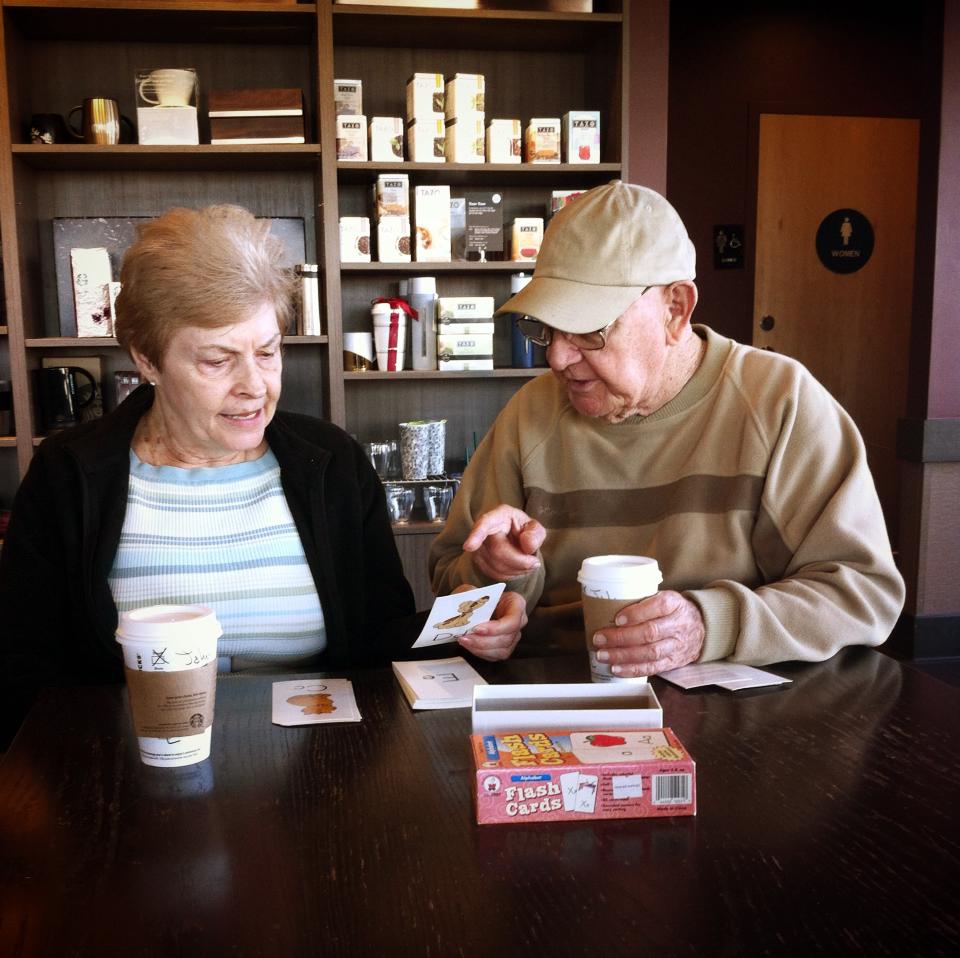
[496, 639]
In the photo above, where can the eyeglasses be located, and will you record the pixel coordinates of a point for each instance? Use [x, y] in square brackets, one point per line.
[540, 334]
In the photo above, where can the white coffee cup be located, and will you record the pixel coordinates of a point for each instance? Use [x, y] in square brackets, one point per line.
[610, 583]
[170, 661]
[168, 87]
[389, 335]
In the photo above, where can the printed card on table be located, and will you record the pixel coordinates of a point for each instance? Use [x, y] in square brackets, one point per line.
[314, 702]
[438, 683]
[459, 613]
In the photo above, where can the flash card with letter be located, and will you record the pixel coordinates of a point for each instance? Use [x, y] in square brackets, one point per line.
[314, 702]
[455, 615]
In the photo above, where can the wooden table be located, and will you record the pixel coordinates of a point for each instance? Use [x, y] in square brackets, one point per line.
[828, 824]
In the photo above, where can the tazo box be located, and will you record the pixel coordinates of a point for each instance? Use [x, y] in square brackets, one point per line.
[581, 136]
[504, 139]
[465, 140]
[480, 327]
[386, 139]
[393, 239]
[426, 141]
[431, 205]
[542, 142]
[560, 776]
[351, 137]
[464, 95]
[526, 237]
[354, 239]
[391, 195]
[348, 97]
[464, 345]
[459, 365]
[461, 309]
[425, 98]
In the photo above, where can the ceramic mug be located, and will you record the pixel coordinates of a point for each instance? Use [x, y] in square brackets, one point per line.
[167, 87]
[100, 122]
[48, 128]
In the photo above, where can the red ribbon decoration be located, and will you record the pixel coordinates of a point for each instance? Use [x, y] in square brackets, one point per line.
[397, 304]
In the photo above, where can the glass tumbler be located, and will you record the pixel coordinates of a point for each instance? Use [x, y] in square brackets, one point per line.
[400, 501]
[436, 502]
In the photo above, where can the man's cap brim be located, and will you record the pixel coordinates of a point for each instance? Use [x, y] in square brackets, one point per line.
[570, 306]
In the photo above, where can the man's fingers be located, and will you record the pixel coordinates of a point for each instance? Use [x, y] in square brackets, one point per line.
[532, 536]
[487, 525]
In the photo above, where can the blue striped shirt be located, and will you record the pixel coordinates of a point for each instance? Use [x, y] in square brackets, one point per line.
[222, 537]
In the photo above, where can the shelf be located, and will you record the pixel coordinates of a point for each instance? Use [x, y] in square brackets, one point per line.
[504, 174]
[89, 342]
[154, 21]
[455, 266]
[299, 156]
[417, 527]
[8, 442]
[410, 374]
[70, 342]
[434, 28]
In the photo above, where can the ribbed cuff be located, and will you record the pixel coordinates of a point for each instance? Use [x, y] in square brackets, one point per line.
[721, 619]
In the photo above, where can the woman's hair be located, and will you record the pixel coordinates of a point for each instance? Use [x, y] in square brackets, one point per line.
[209, 267]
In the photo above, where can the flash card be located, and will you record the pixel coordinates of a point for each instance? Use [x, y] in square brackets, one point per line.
[587, 793]
[569, 783]
[618, 746]
[314, 702]
[456, 614]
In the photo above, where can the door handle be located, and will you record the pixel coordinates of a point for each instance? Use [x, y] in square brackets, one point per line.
[767, 323]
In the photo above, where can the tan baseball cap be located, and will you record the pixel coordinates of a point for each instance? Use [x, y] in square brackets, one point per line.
[599, 253]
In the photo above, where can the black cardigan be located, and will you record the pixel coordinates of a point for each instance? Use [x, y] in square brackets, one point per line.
[57, 615]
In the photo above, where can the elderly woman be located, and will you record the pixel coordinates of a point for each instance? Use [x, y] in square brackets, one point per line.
[198, 490]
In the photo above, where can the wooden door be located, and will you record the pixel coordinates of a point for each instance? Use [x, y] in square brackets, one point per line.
[851, 330]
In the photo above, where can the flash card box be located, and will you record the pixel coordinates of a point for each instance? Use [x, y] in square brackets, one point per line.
[562, 776]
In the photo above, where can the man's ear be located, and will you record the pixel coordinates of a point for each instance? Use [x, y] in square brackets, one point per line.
[681, 301]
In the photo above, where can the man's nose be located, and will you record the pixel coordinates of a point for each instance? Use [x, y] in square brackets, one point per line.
[560, 353]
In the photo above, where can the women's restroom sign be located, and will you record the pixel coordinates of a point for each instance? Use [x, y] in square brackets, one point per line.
[845, 241]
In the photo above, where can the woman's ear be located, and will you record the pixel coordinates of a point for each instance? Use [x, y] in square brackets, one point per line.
[146, 368]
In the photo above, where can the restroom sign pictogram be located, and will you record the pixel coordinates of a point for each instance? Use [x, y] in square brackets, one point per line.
[845, 241]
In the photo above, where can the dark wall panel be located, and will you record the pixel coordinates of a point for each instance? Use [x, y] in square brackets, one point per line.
[729, 63]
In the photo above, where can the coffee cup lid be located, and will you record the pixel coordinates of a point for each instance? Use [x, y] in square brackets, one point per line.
[154, 621]
[620, 569]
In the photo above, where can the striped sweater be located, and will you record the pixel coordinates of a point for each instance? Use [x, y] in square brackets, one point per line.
[222, 537]
[750, 487]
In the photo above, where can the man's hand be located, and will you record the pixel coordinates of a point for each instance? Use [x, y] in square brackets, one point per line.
[496, 639]
[504, 542]
[651, 636]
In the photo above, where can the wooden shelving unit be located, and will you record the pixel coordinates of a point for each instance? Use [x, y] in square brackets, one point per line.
[55, 52]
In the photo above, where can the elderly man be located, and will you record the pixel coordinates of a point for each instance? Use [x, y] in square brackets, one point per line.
[731, 466]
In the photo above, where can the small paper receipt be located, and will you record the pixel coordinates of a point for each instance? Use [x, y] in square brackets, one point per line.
[455, 615]
[724, 674]
[314, 702]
